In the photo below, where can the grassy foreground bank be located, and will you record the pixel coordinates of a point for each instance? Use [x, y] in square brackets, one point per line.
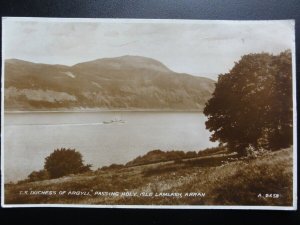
[209, 180]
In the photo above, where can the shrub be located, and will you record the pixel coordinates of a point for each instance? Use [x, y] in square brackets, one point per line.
[63, 161]
[113, 167]
[38, 175]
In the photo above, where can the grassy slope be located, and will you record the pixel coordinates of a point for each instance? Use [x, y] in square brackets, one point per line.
[232, 183]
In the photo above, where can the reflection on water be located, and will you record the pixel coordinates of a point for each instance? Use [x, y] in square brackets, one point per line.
[102, 137]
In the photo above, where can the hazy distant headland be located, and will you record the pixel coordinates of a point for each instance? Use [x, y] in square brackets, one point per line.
[121, 83]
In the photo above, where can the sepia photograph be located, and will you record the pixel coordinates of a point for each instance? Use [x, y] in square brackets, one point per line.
[148, 113]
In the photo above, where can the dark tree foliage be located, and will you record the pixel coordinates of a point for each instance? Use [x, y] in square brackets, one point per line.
[252, 104]
[63, 161]
[38, 175]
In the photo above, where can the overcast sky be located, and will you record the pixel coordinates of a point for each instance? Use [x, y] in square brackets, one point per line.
[201, 48]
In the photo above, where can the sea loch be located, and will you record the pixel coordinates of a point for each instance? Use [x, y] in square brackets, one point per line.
[102, 138]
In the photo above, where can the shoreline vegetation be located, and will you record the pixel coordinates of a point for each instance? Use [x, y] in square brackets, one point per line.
[223, 178]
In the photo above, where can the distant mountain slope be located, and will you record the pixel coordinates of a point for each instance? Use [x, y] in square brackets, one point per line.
[127, 82]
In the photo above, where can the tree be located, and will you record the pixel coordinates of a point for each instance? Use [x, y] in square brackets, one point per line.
[63, 161]
[251, 106]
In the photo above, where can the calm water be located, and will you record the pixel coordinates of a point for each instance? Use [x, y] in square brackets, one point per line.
[30, 137]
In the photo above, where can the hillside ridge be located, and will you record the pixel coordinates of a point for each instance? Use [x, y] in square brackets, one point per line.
[126, 82]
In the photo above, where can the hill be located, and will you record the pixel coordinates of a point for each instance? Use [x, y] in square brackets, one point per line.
[126, 82]
[262, 180]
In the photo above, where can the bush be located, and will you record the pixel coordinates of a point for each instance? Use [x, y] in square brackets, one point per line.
[65, 161]
[38, 175]
[113, 167]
